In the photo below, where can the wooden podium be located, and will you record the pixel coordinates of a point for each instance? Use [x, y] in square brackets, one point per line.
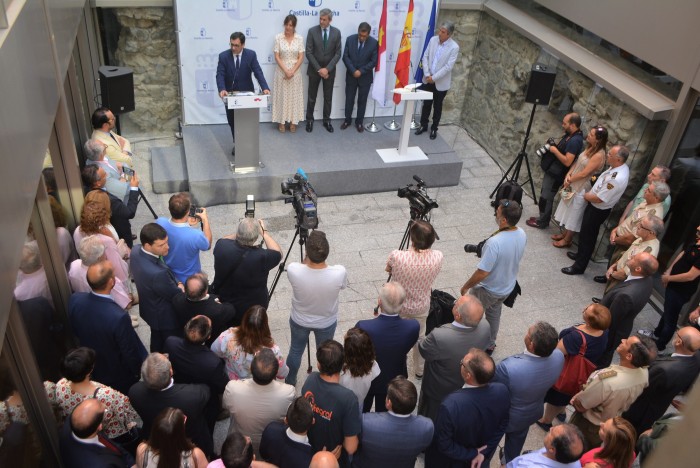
[246, 110]
[409, 95]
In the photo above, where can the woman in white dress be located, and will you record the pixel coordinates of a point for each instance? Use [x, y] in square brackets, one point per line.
[288, 92]
[571, 206]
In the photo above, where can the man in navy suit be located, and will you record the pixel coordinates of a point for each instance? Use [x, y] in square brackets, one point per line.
[471, 420]
[288, 447]
[528, 376]
[668, 376]
[99, 323]
[393, 337]
[394, 438]
[156, 284]
[83, 443]
[233, 73]
[360, 58]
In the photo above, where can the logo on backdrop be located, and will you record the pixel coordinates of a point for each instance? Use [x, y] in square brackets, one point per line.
[357, 7]
[270, 6]
[315, 3]
[203, 34]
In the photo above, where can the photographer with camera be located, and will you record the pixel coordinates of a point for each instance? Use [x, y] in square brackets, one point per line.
[185, 241]
[496, 274]
[556, 159]
[241, 267]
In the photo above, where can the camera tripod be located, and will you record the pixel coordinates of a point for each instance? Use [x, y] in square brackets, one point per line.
[518, 162]
[302, 234]
[150, 208]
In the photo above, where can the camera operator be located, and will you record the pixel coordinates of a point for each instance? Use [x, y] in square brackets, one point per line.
[497, 271]
[555, 163]
[185, 241]
[241, 267]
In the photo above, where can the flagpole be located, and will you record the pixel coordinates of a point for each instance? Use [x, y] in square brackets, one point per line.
[372, 127]
[393, 125]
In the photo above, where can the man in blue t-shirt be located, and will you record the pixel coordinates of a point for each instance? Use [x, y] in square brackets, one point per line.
[185, 241]
[497, 272]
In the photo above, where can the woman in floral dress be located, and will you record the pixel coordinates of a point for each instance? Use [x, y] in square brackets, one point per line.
[288, 92]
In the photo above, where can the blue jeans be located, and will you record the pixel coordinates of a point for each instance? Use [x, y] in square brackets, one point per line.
[300, 336]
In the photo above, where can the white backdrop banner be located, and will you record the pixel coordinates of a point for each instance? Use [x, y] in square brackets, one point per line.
[204, 27]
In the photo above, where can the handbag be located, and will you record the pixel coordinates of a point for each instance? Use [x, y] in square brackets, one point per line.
[566, 193]
[577, 369]
[441, 304]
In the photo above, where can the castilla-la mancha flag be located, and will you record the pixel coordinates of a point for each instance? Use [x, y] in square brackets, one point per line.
[379, 87]
[403, 59]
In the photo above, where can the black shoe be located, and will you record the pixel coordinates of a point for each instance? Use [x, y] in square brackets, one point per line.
[344, 125]
[328, 126]
[233, 151]
[309, 126]
[421, 130]
[572, 255]
[571, 271]
[360, 128]
[595, 300]
[600, 279]
[433, 134]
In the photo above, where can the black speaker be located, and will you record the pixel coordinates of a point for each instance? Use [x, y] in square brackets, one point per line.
[117, 84]
[541, 84]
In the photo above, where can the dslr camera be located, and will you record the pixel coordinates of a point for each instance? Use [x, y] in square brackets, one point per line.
[419, 202]
[544, 149]
[476, 249]
[303, 198]
[194, 212]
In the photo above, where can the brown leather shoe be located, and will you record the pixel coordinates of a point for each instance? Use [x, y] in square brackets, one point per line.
[344, 125]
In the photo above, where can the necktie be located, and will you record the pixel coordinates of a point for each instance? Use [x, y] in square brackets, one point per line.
[109, 445]
[237, 63]
[325, 38]
[359, 47]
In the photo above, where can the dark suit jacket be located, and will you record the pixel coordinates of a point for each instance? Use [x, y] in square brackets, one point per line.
[625, 301]
[222, 315]
[99, 323]
[122, 213]
[389, 440]
[190, 398]
[46, 336]
[227, 78]
[364, 60]
[393, 337]
[75, 454]
[468, 419]
[196, 364]
[668, 376]
[157, 286]
[319, 57]
[280, 450]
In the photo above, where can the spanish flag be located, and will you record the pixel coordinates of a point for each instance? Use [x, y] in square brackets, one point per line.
[379, 86]
[403, 60]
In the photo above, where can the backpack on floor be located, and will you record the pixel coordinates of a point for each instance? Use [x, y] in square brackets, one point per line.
[509, 190]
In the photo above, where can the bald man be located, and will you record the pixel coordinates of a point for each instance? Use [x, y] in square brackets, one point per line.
[324, 459]
[668, 376]
[83, 443]
[99, 323]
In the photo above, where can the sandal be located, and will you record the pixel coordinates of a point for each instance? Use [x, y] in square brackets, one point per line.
[561, 244]
[281, 128]
[292, 128]
[557, 237]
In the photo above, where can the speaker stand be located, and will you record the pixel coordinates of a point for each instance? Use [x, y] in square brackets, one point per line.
[518, 162]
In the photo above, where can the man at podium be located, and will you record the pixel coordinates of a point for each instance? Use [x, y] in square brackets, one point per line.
[234, 73]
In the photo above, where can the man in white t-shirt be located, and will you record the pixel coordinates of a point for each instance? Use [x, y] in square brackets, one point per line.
[315, 287]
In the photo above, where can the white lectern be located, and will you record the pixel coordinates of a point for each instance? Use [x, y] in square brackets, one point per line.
[409, 95]
[246, 111]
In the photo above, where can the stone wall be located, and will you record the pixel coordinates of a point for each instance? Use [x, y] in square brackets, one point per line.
[147, 45]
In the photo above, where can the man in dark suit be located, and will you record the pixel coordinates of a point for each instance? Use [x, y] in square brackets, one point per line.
[626, 300]
[99, 323]
[393, 337]
[668, 376]
[157, 391]
[83, 443]
[194, 363]
[288, 447]
[198, 301]
[443, 350]
[360, 58]
[156, 284]
[323, 53]
[394, 438]
[471, 420]
[233, 73]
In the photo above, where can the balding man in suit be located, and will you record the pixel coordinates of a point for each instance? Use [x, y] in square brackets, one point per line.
[360, 58]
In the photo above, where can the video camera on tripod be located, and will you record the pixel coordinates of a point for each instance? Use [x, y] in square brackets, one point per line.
[419, 202]
[303, 198]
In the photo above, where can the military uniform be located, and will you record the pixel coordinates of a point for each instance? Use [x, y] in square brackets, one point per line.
[630, 224]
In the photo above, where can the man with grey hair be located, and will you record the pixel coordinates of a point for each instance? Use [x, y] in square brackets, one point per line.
[626, 232]
[438, 60]
[323, 52]
[115, 183]
[659, 173]
[393, 337]
[443, 349]
[241, 267]
[157, 391]
[604, 195]
[31, 277]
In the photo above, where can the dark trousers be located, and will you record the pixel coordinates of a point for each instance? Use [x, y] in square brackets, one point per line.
[379, 400]
[550, 186]
[673, 303]
[158, 338]
[352, 87]
[231, 123]
[435, 105]
[314, 80]
[593, 218]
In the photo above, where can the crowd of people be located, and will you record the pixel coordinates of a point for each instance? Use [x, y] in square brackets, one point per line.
[212, 355]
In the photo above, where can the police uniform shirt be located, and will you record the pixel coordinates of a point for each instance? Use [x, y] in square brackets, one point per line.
[610, 186]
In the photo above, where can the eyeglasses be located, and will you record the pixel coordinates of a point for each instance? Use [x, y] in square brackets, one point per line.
[465, 365]
[641, 226]
[505, 203]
